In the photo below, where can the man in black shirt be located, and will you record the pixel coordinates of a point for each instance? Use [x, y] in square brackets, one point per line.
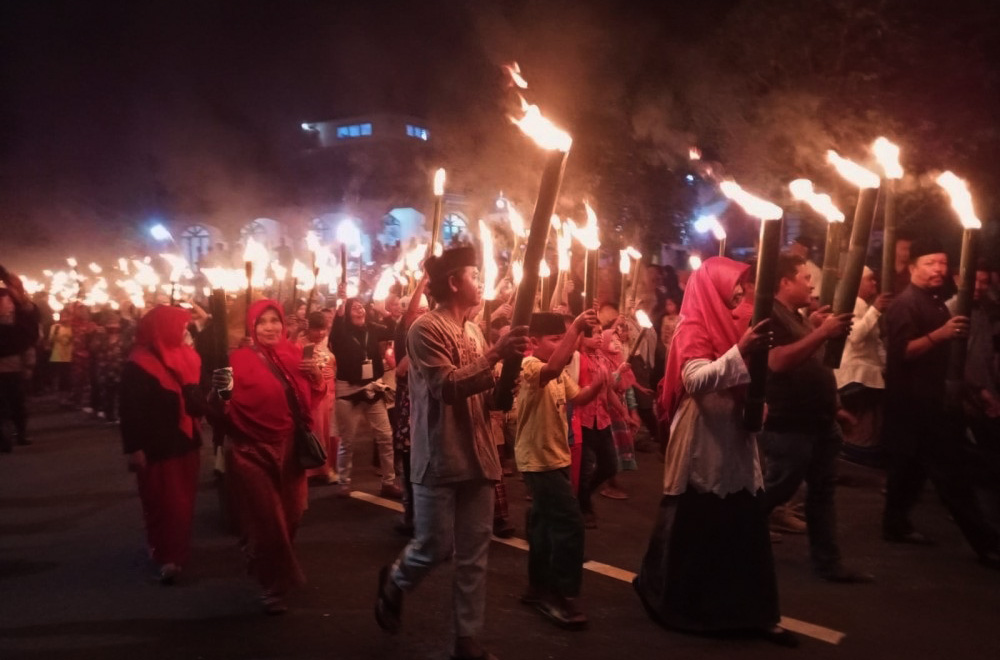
[923, 437]
[801, 438]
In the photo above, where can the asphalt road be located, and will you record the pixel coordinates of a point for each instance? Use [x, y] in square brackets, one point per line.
[74, 582]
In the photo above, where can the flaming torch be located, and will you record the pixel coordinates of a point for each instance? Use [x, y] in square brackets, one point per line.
[436, 218]
[220, 321]
[864, 215]
[254, 257]
[887, 155]
[557, 142]
[590, 239]
[961, 201]
[349, 236]
[644, 324]
[802, 190]
[767, 273]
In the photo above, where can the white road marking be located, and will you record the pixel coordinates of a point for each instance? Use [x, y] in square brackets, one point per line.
[801, 627]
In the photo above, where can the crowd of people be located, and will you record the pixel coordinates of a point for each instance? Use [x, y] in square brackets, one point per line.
[420, 373]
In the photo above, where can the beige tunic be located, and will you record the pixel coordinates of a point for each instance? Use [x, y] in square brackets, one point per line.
[708, 450]
[450, 432]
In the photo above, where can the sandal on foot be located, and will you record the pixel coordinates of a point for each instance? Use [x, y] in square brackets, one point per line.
[388, 612]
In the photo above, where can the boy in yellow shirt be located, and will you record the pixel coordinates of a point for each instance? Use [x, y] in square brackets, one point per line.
[541, 449]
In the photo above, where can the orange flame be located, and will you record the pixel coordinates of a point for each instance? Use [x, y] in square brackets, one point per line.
[753, 205]
[545, 134]
[710, 223]
[588, 234]
[543, 269]
[961, 199]
[643, 318]
[887, 155]
[802, 190]
[515, 75]
[490, 268]
[439, 176]
[859, 176]
[694, 153]
[564, 243]
[517, 272]
[624, 262]
[516, 220]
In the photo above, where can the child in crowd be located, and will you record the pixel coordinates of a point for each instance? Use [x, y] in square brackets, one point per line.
[314, 341]
[541, 449]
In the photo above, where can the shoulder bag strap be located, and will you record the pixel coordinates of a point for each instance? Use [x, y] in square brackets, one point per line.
[293, 400]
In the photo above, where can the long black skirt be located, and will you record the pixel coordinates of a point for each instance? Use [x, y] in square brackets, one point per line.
[709, 567]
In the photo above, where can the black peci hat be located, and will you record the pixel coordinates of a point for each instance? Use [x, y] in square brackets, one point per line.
[450, 260]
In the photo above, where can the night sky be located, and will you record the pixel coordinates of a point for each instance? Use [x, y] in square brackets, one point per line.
[116, 112]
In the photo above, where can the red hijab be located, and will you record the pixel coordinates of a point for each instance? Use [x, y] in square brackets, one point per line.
[259, 406]
[160, 351]
[707, 327]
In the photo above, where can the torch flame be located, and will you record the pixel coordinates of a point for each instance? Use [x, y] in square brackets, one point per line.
[694, 153]
[588, 234]
[517, 272]
[851, 171]
[802, 190]
[643, 319]
[632, 252]
[123, 265]
[256, 253]
[490, 268]
[543, 269]
[312, 242]
[439, 177]
[753, 205]
[624, 262]
[94, 268]
[385, 282]
[279, 271]
[887, 155]
[694, 261]
[545, 134]
[961, 199]
[516, 220]
[303, 275]
[178, 266]
[564, 243]
[515, 75]
[72, 262]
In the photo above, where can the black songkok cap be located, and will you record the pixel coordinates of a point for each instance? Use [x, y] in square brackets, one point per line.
[450, 260]
[925, 245]
[546, 323]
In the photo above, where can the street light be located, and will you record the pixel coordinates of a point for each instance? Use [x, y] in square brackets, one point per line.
[160, 233]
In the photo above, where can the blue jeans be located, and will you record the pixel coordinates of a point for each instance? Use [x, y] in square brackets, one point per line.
[790, 459]
[453, 520]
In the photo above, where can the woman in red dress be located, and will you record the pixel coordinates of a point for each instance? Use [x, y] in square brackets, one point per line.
[267, 485]
[159, 407]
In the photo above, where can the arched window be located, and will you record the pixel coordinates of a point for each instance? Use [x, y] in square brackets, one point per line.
[254, 229]
[451, 227]
[195, 242]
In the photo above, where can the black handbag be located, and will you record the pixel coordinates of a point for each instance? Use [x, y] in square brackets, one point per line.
[309, 451]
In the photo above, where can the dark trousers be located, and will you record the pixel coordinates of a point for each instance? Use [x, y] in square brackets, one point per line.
[555, 533]
[13, 395]
[792, 458]
[599, 463]
[933, 446]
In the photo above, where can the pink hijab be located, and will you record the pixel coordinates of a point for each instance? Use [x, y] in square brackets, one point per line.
[707, 327]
